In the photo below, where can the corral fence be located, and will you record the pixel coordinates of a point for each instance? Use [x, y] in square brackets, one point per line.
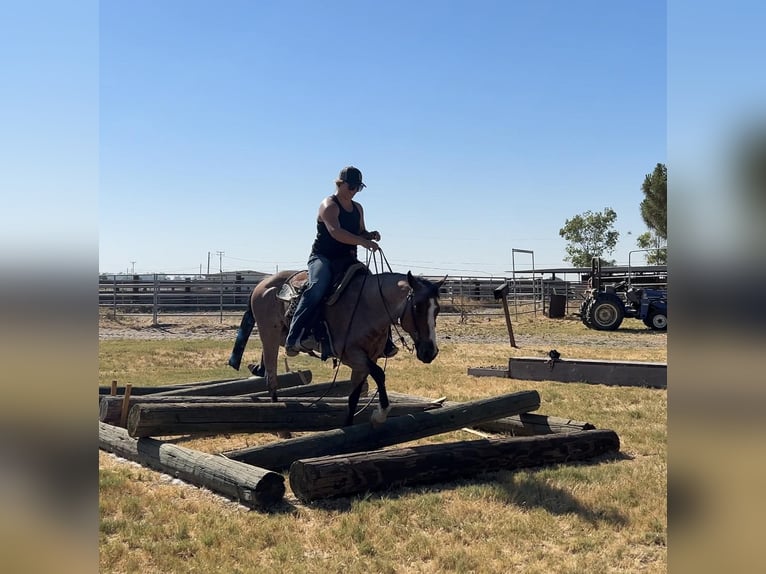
[227, 294]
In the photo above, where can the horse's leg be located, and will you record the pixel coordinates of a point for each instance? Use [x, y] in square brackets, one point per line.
[379, 376]
[243, 334]
[357, 378]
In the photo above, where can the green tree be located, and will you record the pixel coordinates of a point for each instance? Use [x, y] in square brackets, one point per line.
[654, 207]
[590, 235]
[659, 252]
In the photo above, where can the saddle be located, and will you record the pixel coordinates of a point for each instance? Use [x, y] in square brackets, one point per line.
[320, 339]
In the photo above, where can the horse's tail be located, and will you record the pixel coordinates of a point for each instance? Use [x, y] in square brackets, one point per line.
[243, 334]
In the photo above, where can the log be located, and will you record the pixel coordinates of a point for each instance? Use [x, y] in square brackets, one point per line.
[343, 475]
[145, 390]
[279, 456]
[249, 485]
[230, 417]
[524, 424]
[240, 386]
[330, 389]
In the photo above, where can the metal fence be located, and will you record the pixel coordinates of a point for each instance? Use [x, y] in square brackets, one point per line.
[228, 294]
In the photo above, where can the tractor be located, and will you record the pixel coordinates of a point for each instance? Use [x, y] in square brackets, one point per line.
[605, 306]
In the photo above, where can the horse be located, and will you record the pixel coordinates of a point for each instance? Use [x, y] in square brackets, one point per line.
[359, 322]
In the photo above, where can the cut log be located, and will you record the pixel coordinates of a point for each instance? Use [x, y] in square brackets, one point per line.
[330, 389]
[111, 407]
[279, 456]
[249, 485]
[206, 418]
[525, 424]
[145, 390]
[241, 386]
[344, 475]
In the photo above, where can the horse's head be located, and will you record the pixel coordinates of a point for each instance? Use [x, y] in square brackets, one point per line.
[419, 318]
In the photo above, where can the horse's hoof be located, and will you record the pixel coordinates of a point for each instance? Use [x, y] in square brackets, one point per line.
[379, 416]
[234, 363]
[284, 434]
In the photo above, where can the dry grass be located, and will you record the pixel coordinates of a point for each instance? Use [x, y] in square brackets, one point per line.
[604, 516]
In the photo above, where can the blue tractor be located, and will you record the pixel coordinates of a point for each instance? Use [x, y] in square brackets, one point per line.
[605, 306]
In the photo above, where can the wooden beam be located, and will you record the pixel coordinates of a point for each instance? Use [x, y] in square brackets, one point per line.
[145, 390]
[160, 419]
[329, 389]
[249, 485]
[623, 373]
[343, 475]
[280, 455]
[524, 424]
[241, 386]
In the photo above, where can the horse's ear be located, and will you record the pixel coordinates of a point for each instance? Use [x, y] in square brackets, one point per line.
[410, 279]
[440, 283]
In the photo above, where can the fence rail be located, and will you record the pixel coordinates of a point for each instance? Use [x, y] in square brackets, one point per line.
[228, 294]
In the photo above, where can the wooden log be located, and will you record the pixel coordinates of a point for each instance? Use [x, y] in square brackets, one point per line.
[524, 424]
[109, 409]
[280, 455]
[343, 475]
[330, 389]
[249, 485]
[146, 390]
[205, 418]
[240, 386]
[182, 387]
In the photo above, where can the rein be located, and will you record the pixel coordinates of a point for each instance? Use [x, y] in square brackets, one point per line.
[410, 302]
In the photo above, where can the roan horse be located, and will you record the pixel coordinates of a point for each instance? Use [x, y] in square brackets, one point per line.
[359, 323]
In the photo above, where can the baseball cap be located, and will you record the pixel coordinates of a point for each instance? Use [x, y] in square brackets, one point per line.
[352, 176]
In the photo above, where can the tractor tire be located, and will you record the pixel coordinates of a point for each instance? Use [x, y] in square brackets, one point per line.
[656, 321]
[584, 306]
[606, 313]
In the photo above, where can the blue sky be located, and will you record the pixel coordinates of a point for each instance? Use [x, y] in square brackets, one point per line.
[479, 127]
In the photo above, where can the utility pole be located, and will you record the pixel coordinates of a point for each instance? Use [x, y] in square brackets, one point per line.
[208, 262]
[133, 267]
[220, 261]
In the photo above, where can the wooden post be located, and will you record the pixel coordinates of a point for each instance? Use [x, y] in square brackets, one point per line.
[502, 294]
[113, 390]
[246, 484]
[279, 456]
[125, 405]
[296, 415]
[343, 475]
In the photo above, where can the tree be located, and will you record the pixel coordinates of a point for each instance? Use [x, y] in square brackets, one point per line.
[654, 207]
[590, 235]
[659, 252]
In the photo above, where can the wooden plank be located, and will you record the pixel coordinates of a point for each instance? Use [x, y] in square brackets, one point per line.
[524, 424]
[343, 475]
[249, 485]
[160, 419]
[280, 455]
[622, 373]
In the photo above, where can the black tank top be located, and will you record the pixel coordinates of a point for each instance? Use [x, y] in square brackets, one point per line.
[326, 245]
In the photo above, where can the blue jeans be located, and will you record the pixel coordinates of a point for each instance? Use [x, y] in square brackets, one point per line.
[320, 270]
